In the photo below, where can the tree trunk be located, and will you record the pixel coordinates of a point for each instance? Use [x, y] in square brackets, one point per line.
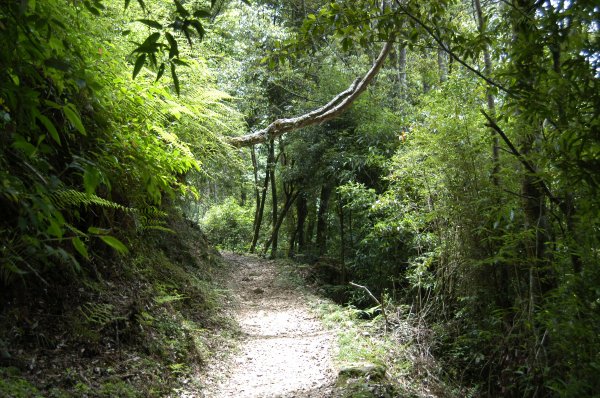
[261, 209]
[256, 188]
[442, 64]
[273, 196]
[289, 201]
[342, 242]
[310, 228]
[491, 101]
[526, 55]
[326, 190]
[400, 65]
[292, 244]
[302, 211]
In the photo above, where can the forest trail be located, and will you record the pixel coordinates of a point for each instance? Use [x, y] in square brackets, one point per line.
[285, 350]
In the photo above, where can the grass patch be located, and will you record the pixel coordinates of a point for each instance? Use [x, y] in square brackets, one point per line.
[367, 347]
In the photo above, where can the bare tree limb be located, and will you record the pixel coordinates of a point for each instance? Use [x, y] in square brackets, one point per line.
[332, 109]
[379, 303]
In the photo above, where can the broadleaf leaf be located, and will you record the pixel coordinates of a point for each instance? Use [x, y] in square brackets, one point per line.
[114, 243]
[175, 78]
[173, 48]
[139, 62]
[73, 116]
[151, 23]
[80, 247]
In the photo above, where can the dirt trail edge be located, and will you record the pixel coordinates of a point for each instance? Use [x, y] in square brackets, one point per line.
[285, 350]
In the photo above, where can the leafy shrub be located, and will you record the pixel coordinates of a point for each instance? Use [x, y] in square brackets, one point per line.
[228, 225]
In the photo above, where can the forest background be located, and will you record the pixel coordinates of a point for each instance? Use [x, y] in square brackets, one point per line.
[461, 186]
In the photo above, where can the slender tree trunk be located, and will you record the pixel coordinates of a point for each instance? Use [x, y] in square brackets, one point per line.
[442, 64]
[302, 211]
[326, 190]
[256, 188]
[273, 196]
[310, 228]
[292, 244]
[491, 101]
[342, 242]
[532, 189]
[401, 69]
[289, 201]
[568, 204]
[502, 275]
[261, 208]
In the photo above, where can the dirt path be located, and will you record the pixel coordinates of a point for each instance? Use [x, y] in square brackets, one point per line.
[285, 351]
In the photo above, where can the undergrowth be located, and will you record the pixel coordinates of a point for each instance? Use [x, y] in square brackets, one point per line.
[375, 358]
[139, 327]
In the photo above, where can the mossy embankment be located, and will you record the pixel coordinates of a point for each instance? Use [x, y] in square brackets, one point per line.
[132, 325]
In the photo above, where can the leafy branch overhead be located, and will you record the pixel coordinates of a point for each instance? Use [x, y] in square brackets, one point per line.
[158, 53]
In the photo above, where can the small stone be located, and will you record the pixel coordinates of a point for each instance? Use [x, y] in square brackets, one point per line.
[258, 290]
[366, 370]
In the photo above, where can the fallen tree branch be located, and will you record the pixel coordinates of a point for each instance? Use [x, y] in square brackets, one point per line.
[332, 109]
[379, 303]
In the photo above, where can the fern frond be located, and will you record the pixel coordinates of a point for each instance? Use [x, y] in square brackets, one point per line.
[67, 198]
[150, 218]
[99, 314]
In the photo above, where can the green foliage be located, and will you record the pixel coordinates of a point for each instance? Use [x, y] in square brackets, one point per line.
[228, 225]
[12, 385]
[88, 154]
[118, 388]
[158, 308]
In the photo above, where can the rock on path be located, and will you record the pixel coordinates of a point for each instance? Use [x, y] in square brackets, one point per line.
[285, 351]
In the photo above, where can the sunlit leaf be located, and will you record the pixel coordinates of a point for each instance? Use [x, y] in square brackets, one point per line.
[73, 117]
[80, 247]
[98, 231]
[91, 179]
[114, 243]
